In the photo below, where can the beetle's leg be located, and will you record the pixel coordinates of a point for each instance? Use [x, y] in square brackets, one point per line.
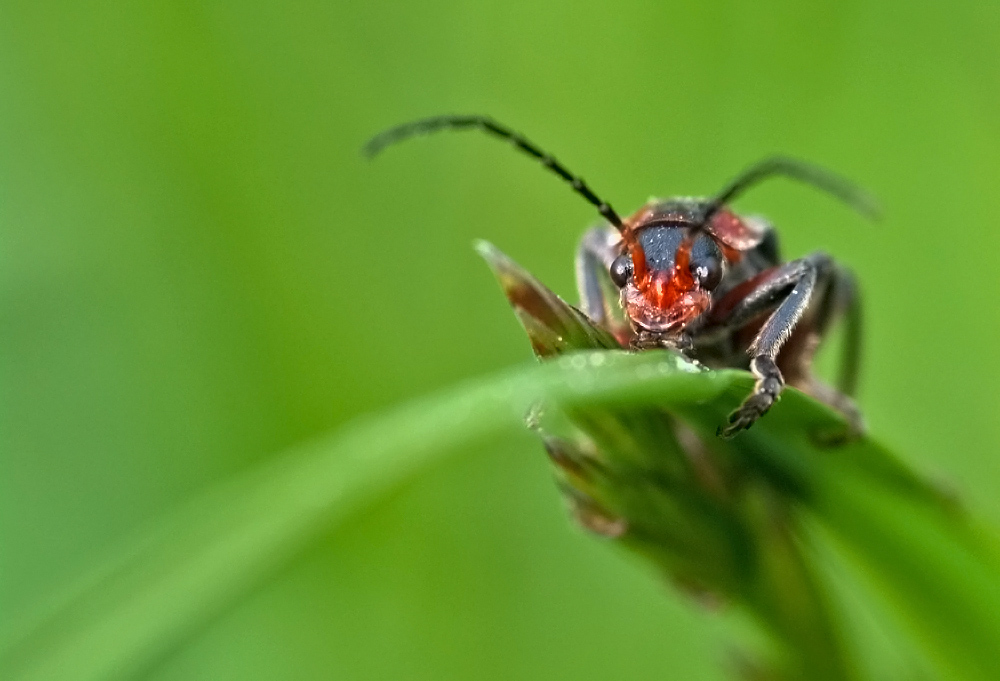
[594, 256]
[838, 300]
[847, 301]
[598, 295]
[790, 289]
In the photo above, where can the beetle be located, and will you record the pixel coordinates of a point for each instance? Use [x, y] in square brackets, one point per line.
[693, 276]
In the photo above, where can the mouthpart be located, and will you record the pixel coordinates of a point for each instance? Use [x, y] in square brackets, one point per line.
[667, 319]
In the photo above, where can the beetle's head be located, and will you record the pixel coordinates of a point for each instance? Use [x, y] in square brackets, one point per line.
[668, 267]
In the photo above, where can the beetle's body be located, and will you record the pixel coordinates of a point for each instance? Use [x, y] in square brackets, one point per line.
[764, 314]
[691, 275]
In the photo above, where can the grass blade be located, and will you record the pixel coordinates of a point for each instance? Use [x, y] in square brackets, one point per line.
[210, 553]
[716, 515]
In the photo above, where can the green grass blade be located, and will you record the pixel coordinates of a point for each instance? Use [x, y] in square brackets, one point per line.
[734, 533]
[921, 552]
[211, 553]
[934, 564]
[939, 571]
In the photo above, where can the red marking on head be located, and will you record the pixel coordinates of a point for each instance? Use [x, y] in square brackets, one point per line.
[659, 300]
[662, 288]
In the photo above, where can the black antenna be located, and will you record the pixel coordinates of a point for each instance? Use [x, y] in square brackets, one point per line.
[846, 191]
[487, 124]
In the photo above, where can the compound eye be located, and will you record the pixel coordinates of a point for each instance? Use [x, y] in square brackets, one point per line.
[621, 270]
[707, 272]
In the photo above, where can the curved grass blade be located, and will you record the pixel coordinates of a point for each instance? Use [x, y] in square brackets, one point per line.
[209, 554]
[935, 563]
[926, 556]
[923, 553]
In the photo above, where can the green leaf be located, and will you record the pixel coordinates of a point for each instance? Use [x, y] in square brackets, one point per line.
[699, 524]
[217, 548]
[935, 564]
[632, 437]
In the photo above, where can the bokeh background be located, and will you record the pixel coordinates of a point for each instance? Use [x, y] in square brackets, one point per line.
[198, 271]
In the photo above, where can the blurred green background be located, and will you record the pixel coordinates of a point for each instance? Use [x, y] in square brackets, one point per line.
[197, 271]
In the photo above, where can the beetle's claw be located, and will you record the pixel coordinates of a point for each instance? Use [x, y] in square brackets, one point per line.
[752, 409]
[737, 423]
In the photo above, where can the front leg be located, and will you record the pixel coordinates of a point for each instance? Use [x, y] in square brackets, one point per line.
[598, 295]
[765, 393]
[790, 288]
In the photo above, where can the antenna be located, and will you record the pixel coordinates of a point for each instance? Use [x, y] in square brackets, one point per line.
[822, 179]
[488, 125]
